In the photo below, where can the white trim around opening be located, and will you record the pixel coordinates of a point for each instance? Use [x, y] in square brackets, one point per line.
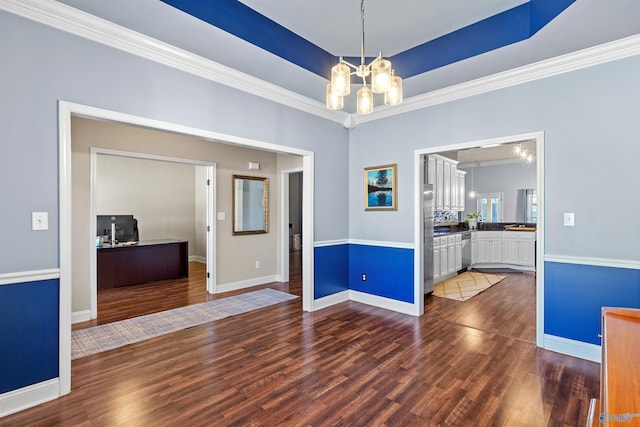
[65, 111]
[418, 223]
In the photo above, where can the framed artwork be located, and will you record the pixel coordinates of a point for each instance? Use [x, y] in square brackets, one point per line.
[381, 188]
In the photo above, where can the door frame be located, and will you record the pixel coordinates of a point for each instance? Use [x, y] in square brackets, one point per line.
[419, 226]
[210, 209]
[284, 221]
[68, 109]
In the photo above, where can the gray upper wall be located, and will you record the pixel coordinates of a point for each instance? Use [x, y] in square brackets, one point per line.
[590, 121]
[41, 66]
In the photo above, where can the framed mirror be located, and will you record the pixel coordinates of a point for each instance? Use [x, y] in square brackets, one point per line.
[250, 205]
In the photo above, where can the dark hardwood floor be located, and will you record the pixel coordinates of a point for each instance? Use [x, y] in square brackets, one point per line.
[462, 364]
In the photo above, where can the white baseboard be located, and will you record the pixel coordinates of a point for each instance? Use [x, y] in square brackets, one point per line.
[573, 348]
[198, 258]
[330, 300]
[27, 397]
[382, 302]
[509, 266]
[234, 286]
[80, 316]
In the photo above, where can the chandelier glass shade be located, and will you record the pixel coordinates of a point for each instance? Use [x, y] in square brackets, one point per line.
[382, 80]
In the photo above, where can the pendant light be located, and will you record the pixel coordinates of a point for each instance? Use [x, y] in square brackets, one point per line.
[472, 193]
[382, 80]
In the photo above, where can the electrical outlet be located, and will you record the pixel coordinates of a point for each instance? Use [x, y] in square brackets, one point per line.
[257, 264]
[364, 277]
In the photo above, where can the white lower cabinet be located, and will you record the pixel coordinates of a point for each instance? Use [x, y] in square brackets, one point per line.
[510, 248]
[458, 252]
[519, 248]
[436, 260]
[447, 256]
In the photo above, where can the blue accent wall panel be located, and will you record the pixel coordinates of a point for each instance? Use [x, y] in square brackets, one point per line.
[240, 20]
[575, 295]
[29, 333]
[331, 268]
[389, 271]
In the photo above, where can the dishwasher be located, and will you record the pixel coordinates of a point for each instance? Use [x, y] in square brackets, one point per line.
[466, 251]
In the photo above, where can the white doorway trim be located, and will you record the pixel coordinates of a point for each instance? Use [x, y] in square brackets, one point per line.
[284, 221]
[418, 223]
[68, 109]
[211, 223]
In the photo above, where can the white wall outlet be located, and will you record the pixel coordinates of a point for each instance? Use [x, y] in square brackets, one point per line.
[569, 219]
[222, 216]
[39, 220]
[257, 264]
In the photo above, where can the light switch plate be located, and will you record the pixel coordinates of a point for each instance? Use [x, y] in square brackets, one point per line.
[569, 219]
[221, 216]
[39, 220]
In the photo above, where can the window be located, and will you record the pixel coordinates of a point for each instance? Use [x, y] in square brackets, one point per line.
[490, 207]
[531, 208]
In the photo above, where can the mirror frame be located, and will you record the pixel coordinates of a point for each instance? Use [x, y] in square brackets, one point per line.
[265, 205]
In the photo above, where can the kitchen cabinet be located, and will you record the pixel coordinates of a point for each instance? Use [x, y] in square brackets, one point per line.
[505, 248]
[443, 174]
[460, 176]
[436, 260]
[451, 255]
[439, 187]
[447, 256]
[458, 252]
[519, 248]
[489, 246]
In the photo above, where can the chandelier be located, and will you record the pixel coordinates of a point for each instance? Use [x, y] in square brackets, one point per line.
[381, 76]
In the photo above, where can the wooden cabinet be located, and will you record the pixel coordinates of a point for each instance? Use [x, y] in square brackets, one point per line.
[143, 262]
[619, 402]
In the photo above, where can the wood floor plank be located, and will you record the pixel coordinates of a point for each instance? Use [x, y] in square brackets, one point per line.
[470, 363]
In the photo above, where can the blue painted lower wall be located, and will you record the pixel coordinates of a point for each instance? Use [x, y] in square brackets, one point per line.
[331, 268]
[389, 271]
[340, 267]
[575, 294]
[29, 333]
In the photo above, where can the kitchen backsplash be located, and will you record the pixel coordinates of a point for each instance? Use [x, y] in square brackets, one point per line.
[445, 217]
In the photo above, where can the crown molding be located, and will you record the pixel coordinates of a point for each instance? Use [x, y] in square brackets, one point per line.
[82, 24]
[607, 52]
[66, 18]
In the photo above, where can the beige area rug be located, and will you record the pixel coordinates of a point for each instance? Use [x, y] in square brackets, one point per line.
[465, 285]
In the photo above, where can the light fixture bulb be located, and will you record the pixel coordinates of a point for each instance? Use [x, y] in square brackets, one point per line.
[393, 96]
[518, 149]
[334, 101]
[341, 79]
[380, 75]
[364, 102]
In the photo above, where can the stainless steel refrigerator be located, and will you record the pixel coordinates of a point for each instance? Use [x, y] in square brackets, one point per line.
[427, 217]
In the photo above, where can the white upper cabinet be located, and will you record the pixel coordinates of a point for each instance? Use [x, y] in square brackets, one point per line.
[444, 175]
[461, 190]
